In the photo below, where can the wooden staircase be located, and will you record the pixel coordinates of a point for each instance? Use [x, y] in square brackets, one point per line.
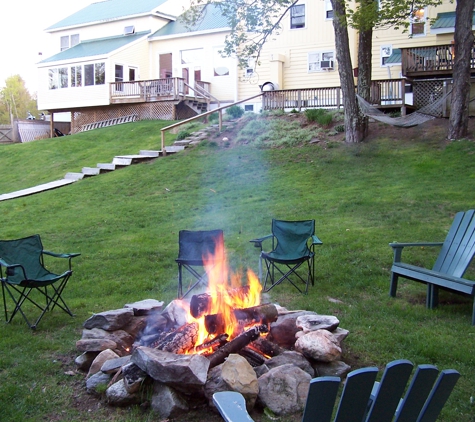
[118, 162]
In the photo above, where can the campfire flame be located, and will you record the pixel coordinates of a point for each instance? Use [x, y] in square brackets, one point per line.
[227, 294]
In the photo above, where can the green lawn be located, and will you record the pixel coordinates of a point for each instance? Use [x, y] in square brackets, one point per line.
[125, 225]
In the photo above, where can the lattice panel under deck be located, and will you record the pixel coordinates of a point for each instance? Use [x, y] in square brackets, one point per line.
[163, 110]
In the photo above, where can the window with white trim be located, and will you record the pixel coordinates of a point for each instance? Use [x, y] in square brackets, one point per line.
[94, 74]
[297, 16]
[58, 78]
[76, 76]
[68, 41]
[418, 22]
[385, 52]
[221, 64]
[320, 60]
[328, 9]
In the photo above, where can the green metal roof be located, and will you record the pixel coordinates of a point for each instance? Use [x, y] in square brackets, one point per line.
[96, 47]
[446, 20]
[107, 10]
[212, 18]
[395, 57]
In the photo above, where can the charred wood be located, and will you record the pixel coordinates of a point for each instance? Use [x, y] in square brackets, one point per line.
[181, 340]
[236, 344]
[266, 347]
[213, 344]
[262, 314]
[254, 358]
[201, 304]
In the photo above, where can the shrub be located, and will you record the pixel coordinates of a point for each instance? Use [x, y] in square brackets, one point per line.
[313, 114]
[235, 111]
[339, 128]
[213, 117]
[184, 133]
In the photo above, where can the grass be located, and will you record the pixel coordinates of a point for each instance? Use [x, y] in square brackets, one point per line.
[126, 223]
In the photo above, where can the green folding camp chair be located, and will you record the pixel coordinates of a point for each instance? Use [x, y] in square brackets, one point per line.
[193, 247]
[23, 272]
[293, 244]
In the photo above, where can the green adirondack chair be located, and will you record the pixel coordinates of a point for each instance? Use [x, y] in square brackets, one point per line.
[363, 399]
[454, 258]
[23, 272]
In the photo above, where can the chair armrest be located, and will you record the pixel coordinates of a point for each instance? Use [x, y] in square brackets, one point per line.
[316, 240]
[61, 255]
[69, 256]
[398, 247]
[258, 242]
[9, 267]
[402, 245]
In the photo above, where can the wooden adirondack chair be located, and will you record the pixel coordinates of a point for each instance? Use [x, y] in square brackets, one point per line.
[363, 399]
[454, 258]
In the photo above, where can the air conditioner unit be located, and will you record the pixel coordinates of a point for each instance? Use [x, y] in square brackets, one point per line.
[326, 64]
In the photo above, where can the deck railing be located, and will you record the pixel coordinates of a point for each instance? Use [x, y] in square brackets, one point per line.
[150, 90]
[433, 60]
[302, 98]
[385, 92]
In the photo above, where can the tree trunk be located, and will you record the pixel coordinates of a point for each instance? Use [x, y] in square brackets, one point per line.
[458, 121]
[365, 43]
[354, 126]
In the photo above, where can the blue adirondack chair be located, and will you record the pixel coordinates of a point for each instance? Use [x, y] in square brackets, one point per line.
[364, 399]
[454, 258]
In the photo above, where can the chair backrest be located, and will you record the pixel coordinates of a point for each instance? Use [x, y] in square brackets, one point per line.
[363, 399]
[26, 252]
[193, 246]
[459, 246]
[292, 237]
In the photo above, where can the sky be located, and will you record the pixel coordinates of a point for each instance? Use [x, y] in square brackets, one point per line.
[22, 35]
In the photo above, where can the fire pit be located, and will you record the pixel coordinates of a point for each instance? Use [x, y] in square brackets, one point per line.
[223, 339]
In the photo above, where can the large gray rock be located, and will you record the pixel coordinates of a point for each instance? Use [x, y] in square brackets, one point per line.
[111, 366]
[337, 368]
[340, 334]
[284, 329]
[145, 307]
[83, 361]
[100, 360]
[291, 357]
[185, 372]
[122, 338]
[95, 345]
[110, 320]
[117, 395]
[97, 383]
[134, 377]
[239, 376]
[167, 402]
[175, 311]
[317, 322]
[284, 389]
[320, 345]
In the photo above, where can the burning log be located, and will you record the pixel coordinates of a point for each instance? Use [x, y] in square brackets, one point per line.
[200, 304]
[266, 347]
[213, 344]
[262, 314]
[181, 340]
[254, 358]
[235, 345]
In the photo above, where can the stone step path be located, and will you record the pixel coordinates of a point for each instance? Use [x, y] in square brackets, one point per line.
[118, 162]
